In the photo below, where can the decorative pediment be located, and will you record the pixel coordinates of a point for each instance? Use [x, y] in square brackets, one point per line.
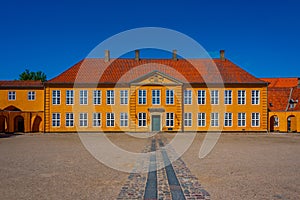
[156, 78]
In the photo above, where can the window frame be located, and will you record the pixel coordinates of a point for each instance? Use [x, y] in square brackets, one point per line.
[170, 119]
[188, 119]
[214, 97]
[242, 119]
[97, 97]
[170, 97]
[228, 119]
[123, 97]
[142, 117]
[110, 97]
[83, 122]
[254, 119]
[242, 97]
[187, 97]
[201, 97]
[69, 97]
[69, 119]
[56, 121]
[31, 95]
[228, 97]
[83, 97]
[156, 97]
[214, 121]
[142, 95]
[56, 97]
[123, 119]
[97, 119]
[110, 117]
[255, 97]
[201, 121]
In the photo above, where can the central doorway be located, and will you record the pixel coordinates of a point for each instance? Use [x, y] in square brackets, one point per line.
[155, 123]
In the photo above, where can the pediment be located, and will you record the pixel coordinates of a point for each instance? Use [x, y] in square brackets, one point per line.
[156, 78]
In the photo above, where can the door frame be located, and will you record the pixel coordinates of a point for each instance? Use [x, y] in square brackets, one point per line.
[156, 114]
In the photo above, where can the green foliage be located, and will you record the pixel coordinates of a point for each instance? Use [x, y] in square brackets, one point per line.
[28, 75]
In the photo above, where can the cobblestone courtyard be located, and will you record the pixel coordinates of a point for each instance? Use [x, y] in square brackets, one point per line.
[57, 166]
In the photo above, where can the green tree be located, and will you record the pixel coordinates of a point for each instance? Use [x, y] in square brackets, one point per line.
[29, 75]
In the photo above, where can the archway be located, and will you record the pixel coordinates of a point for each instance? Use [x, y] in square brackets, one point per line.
[11, 108]
[36, 124]
[291, 123]
[3, 124]
[274, 122]
[19, 124]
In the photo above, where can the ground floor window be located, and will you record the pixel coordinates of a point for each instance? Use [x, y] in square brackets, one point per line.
[96, 119]
[228, 119]
[124, 119]
[170, 119]
[56, 119]
[110, 119]
[241, 119]
[83, 119]
[187, 119]
[255, 121]
[201, 119]
[214, 121]
[142, 119]
[69, 119]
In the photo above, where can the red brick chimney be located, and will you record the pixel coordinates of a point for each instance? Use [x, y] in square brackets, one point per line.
[174, 54]
[106, 56]
[222, 55]
[137, 55]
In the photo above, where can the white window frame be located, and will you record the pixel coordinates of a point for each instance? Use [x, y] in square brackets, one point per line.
[11, 95]
[97, 119]
[142, 119]
[170, 119]
[142, 97]
[228, 119]
[124, 97]
[188, 122]
[56, 97]
[69, 97]
[110, 119]
[110, 97]
[31, 95]
[55, 119]
[187, 97]
[214, 97]
[169, 97]
[124, 119]
[241, 97]
[228, 97]
[214, 119]
[69, 119]
[255, 119]
[255, 97]
[241, 119]
[155, 97]
[201, 119]
[83, 119]
[201, 97]
[97, 94]
[83, 97]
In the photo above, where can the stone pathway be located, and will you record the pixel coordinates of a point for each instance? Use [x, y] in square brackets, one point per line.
[174, 181]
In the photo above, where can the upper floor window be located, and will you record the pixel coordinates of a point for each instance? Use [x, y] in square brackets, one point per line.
[214, 97]
[31, 95]
[142, 96]
[97, 97]
[169, 97]
[170, 119]
[155, 97]
[255, 97]
[83, 97]
[228, 97]
[56, 97]
[110, 97]
[11, 95]
[187, 97]
[201, 97]
[69, 97]
[124, 97]
[241, 97]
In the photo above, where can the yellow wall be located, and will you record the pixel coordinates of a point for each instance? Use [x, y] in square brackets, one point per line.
[283, 116]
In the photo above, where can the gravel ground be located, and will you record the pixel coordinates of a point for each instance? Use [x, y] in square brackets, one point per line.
[57, 166]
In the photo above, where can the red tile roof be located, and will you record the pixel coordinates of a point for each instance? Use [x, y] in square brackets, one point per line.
[96, 70]
[281, 82]
[21, 84]
[278, 98]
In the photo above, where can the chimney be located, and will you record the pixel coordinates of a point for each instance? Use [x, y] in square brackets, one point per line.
[106, 56]
[222, 55]
[137, 55]
[174, 54]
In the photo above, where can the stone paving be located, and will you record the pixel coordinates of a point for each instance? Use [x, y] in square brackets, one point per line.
[136, 184]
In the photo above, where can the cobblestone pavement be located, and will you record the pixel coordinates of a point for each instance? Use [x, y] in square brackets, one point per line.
[174, 181]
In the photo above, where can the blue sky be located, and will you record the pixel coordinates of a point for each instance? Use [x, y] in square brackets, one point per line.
[263, 37]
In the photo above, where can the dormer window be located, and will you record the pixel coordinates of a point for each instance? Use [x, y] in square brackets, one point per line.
[293, 103]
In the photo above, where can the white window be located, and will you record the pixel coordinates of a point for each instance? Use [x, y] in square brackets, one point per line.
[142, 119]
[155, 97]
[241, 119]
[96, 119]
[55, 119]
[169, 97]
[201, 119]
[228, 97]
[31, 95]
[123, 119]
[83, 119]
[255, 97]
[241, 97]
[142, 96]
[124, 97]
[214, 119]
[69, 97]
[97, 97]
[56, 97]
[187, 119]
[227, 119]
[69, 119]
[255, 121]
[201, 97]
[169, 119]
[110, 97]
[11, 95]
[110, 119]
[276, 121]
[83, 97]
[187, 97]
[214, 97]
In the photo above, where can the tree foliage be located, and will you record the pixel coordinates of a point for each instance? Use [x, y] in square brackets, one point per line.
[29, 75]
